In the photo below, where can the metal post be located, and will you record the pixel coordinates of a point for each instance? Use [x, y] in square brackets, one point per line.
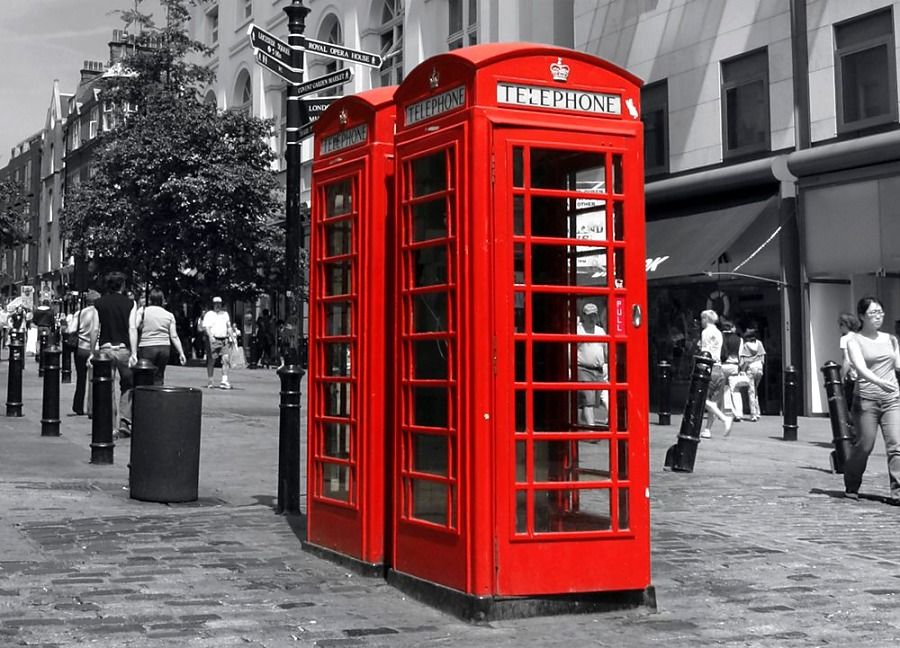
[681, 456]
[101, 425]
[50, 404]
[143, 373]
[296, 118]
[790, 404]
[665, 392]
[289, 440]
[67, 352]
[14, 380]
[43, 343]
[841, 431]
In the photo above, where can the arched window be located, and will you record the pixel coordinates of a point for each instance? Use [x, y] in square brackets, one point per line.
[243, 93]
[329, 32]
[210, 98]
[391, 41]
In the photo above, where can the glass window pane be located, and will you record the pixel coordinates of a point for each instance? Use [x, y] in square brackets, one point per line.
[571, 510]
[337, 399]
[866, 91]
[518, 167]
[561, 361]
[583, 218]
[337, 359]
[338, 198]
[624, 509]
[430, 359]
[519, 264]
[429, 174]
[560, 313]
[622, 411]
[521, 468]
[747, 113]
[521, 511]
[430, 220]
[521, 407]
[622, 465]
[336, 482]
[618, 221]
[568, 170]
[429, 501]
[337, 238]
[554, 411]
[521, 362]
[576, 461]
[519, 215]
[430, 454]
[430, 312]
[430, 406]
[619, 265]
[621, 362]
[430, 266]
[336, 440]
[337, 278]
[617, 180]
[568, 265]
[861, 29]
[519, 311]
[337, 318]
[455, 10]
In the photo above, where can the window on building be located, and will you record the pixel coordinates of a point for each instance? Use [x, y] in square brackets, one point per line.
[245, 10]
[865, 71]
[391, 37]
[109, 116]
[330, 32]
[655, 115]
[52, 158]
[463, 28]
[27, 177]
[745, 103]
[212, 26]
[95, 119]
[49, 206]
[243, 93]
[75, 134]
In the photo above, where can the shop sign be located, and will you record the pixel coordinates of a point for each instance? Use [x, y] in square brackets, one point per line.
[344, 139]
[436, 105]
[595, 103]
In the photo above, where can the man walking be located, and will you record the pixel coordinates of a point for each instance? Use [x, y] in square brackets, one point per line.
[217, 325]
[115, 314]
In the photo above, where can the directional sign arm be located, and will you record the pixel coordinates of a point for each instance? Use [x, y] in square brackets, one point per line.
[332, 50]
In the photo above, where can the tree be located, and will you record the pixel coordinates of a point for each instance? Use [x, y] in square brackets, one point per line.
[13, 218]
[182, 195]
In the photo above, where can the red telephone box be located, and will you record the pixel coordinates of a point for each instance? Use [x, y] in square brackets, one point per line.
[351, 206]
[521, 451]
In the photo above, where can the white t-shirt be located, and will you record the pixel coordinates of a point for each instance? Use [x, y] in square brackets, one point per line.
[218, 325]
[591, 354]
[711, 341]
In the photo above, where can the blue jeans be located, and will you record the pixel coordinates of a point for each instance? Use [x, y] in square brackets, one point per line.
[123, 378]
[868, 415]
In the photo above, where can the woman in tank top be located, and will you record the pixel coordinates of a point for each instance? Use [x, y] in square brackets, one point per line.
[157, 331]
[876, 402]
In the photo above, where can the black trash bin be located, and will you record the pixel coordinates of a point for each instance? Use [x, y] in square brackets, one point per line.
[165, 443]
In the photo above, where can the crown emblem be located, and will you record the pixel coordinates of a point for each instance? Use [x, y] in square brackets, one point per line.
[343, 117]
[434, 80]
[559, 70]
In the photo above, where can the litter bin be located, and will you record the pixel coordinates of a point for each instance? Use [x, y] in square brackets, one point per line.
[165, 443]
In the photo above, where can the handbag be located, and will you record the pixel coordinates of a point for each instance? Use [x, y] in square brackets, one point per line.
[72, 336]
[238, 360]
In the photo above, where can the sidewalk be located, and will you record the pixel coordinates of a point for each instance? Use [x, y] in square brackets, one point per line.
[757, 547]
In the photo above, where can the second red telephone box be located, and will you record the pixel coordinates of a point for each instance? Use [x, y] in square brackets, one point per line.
[521, 433]
[349, 315]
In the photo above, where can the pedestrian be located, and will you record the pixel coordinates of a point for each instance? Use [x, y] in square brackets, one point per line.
[154, 334]
[115, 314]
[217, 325]
[4, 325]
[711, 342]
[83, 323]
[753, 362]
[592, 365]
[875, 356]
[731, 351]
[265, 339]
[849, 324]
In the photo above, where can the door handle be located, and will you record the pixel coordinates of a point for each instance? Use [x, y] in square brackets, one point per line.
[637, 315]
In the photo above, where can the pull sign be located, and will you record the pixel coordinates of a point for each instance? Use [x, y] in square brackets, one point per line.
[620, 315]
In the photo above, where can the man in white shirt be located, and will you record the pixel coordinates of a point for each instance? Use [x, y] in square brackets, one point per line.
[217, 325]
[592, 365]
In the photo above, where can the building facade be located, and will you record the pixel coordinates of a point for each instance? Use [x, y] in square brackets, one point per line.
[18, 266]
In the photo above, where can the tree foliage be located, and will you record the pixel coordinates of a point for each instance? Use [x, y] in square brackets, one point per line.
[182, 195]
[13, 218]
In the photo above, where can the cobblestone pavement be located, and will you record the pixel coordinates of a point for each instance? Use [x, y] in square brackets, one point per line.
[757, 547]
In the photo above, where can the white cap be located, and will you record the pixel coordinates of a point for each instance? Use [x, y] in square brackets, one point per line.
[217, 299]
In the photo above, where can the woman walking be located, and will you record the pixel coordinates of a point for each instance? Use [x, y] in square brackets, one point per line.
[711, 342]
[753, 362]
[875, 356]
[156, 328]
[84, 322]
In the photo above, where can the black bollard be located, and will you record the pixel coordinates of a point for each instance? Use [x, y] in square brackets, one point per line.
[289, 440]
[790, 404]
[43, 343]
[681, 456]
[67, 352]
[50, 404]
[14, 380]
[143, 373]
[665, 391]
[101, 428]
[841, 431]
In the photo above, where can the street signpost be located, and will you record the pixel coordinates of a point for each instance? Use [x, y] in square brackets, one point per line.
[325, 81]
[271, 46]
[340, 52]
[275, 66]
[317, 105]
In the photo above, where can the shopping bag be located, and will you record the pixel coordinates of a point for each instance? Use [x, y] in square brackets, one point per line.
[238, 361]
[31, 339]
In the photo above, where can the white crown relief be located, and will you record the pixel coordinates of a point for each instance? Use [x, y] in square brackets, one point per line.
[343, 117]
[559, 70]
[434, 80]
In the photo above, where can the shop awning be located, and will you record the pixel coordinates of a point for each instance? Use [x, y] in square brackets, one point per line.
[745, 234]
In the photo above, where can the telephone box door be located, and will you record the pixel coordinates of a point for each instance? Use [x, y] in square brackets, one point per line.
[573, 509]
